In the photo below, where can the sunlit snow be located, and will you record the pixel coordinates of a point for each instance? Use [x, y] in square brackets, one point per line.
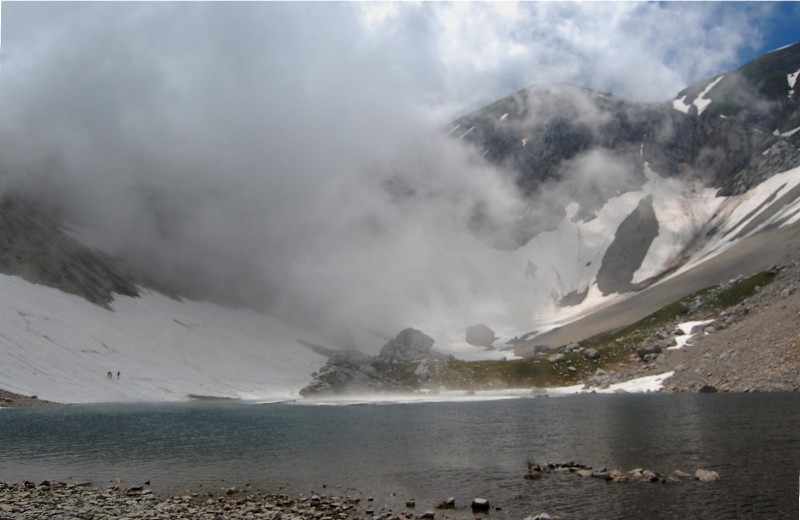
[681, 105]
[687, 328]
[792, 80]
[60, 347]
[700, 101]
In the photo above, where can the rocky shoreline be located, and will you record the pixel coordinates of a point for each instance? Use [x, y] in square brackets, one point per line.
[12, 400]
[29, 500]
[81, 500]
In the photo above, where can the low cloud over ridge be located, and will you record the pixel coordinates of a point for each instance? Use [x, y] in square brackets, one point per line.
[244, 150]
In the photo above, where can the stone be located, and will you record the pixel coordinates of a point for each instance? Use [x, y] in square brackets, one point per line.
[480, 336]
[447, 503]
[427, 515]
[557, 358]
[591, 353]
[707, 389]
[480, 504]
[705, 475]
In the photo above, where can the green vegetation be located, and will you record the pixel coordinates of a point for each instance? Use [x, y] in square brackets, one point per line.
[615, 346]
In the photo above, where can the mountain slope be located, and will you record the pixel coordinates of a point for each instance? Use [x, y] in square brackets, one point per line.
[624, 204]
[59, 347]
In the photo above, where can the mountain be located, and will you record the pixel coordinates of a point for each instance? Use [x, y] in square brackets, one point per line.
[568, 145]
[623, 203]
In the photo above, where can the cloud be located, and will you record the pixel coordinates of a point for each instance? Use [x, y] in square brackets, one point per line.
[249, 149]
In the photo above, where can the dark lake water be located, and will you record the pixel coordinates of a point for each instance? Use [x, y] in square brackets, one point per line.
[435, 450]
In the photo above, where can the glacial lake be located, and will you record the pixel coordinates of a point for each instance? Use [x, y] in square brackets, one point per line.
[431, 451]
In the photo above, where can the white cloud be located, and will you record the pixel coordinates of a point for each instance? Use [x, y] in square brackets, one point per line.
[237, 142]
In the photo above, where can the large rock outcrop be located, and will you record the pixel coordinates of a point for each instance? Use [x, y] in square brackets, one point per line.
[403, 363]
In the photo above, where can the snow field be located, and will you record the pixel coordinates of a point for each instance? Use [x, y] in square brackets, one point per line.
[60, 347]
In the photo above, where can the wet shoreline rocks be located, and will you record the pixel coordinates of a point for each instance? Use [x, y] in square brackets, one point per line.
[81, 500]
[28, 500]
[537, 471]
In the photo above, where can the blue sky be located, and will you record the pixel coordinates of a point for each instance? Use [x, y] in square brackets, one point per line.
[780, 27]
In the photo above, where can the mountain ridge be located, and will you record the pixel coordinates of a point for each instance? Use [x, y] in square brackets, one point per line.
[622, 203]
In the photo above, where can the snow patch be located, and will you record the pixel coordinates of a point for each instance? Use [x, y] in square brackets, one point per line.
[790, 133]
[680, 105]
[504, 116]
[701, 102]
[791, 79]
[687, 328]
[639, 385]
[681, 209]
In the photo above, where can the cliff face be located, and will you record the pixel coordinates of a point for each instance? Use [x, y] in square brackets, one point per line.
[34, 246]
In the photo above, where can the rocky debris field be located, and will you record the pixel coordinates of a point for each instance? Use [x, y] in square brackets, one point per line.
[28, 500]
[753, 346]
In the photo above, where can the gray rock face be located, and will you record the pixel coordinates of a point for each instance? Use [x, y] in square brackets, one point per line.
[404, 360]
[627, 252]
[409, 345]
[33, 246]
[480, 336]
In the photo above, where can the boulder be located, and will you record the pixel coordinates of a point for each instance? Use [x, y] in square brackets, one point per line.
[480, 504]
[591, 353]
[707, 389]
[705, 475]
[648, 350]
[447, 503]
[557, 358]
[480, 335]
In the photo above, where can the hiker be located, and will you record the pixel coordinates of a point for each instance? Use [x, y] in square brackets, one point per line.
[118, 374]
[109, 375]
